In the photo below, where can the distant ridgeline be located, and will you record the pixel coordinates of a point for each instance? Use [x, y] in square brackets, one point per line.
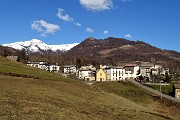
[117, 51]
[111, 51]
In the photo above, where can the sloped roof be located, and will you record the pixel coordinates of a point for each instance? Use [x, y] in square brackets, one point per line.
[114, 67]
[153, 69]
[146, 64]
[99, 70]
[84, 70]
[177, 86]
[130, 65]
[69, 65]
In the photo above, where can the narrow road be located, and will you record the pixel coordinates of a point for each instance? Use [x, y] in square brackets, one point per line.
[154, 91]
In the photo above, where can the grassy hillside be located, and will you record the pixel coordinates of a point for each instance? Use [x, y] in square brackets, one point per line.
[8, 66]
[142, 97]
[53, 97]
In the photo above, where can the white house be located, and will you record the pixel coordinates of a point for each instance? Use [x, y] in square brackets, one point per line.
[164, 70]
[42, 65]
[53, 68]
[86, 75]
[131, 71]
[70, 69]
[160, 70]
[88, 67]
[30, 64]
[115, 73]
[33, 64]
[45, 66]
[145, 69]
[83, 73]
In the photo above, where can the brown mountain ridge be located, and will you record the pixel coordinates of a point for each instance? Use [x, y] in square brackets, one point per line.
[118, 50]
[111, 51]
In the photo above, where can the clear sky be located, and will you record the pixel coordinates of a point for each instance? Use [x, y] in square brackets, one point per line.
[156, 22]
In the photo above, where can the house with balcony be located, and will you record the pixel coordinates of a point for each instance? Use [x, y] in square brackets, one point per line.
[115, 73]
[131, 71]
[53, 68]
[69, 69]
[145, 69]
[87, 73]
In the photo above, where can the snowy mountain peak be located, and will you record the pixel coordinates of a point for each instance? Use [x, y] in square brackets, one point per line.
[36, 45]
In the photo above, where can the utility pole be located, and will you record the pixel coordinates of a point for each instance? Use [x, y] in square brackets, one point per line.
[160, 91]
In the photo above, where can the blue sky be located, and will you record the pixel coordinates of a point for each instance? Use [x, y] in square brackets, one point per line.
[156, 22]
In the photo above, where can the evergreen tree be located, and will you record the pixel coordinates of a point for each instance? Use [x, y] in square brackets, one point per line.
[78, 63]
[167, 78]
[141, 78]
[5, 53]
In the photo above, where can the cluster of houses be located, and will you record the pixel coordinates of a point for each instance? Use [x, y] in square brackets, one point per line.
[117, 73]
[44, 66]
[105, 73]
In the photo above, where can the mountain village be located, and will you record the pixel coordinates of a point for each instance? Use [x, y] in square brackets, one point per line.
[147, 74]
[141, 72]
[105, 72]
[89, 60]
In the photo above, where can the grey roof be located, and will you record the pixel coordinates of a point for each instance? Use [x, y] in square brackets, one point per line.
[69, 65]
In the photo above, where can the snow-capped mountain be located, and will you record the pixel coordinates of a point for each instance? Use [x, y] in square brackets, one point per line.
[36, 45]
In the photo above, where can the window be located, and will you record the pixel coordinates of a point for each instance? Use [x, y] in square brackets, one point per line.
[100, 74]
[177, 90]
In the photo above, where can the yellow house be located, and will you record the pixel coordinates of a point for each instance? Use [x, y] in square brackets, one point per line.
[100, 74]
[176, 89]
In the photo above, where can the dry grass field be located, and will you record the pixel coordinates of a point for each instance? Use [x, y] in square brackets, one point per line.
[51, 97]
